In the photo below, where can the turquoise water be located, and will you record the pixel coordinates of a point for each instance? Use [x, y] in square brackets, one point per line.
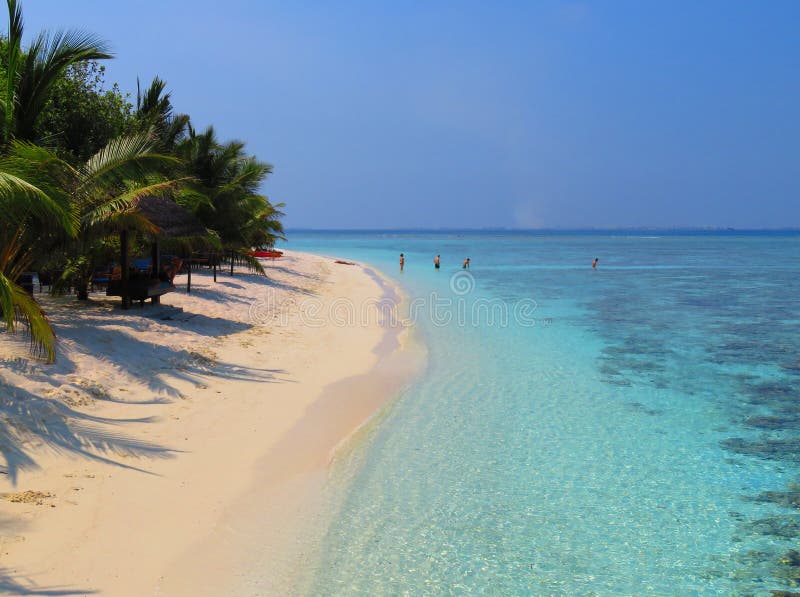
[638, 432]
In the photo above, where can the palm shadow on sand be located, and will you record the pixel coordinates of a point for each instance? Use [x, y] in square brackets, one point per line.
[28, 418]
[25, 416]
[159, 370]
[10, 586]
[13, 584]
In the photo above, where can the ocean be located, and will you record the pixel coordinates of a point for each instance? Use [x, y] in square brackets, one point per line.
[632, 429]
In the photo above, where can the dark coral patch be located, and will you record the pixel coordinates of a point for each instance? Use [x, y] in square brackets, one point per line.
[789, 498]
[785, 527]
[770, 449]
[773, 421]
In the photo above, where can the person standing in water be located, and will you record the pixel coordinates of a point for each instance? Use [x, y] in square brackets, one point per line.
[594, 263]
[402, 262]
[436, 262]
[466, 263]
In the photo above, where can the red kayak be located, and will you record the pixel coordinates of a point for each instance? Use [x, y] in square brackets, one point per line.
[267, 254]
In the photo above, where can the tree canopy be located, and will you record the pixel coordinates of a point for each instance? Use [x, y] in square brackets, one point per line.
[81, 115]
[76, 155]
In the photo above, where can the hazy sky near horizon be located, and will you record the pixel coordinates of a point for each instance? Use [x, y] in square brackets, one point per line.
[546, 113]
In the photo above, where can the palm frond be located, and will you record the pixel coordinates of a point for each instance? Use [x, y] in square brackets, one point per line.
[174, 130]
[20, 199]
[242, 256]
[152, 103]
[131, 220]
[14, 51]
[122, 160]
[19, 307]
[192, 199]
[125, 201]
[45, 61]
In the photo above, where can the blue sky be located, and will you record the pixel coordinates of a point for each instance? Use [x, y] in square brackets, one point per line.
[480, 114]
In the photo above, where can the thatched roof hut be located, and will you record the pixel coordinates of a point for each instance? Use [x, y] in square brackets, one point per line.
[171, 219]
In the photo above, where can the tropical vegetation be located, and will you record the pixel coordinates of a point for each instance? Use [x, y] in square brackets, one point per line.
[76, 156]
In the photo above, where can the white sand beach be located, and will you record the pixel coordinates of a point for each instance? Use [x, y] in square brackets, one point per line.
[171, 446]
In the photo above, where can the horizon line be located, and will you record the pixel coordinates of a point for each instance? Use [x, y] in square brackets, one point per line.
[551, 229]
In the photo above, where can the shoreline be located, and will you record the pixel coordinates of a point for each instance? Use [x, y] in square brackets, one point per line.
[248, 412]
[268, 538]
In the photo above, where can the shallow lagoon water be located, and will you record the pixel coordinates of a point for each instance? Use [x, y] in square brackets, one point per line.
[631, 430]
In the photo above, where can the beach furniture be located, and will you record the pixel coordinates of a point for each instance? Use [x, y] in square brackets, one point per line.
[100, 278]
[141, 289]
[189, 262]
[143, 265]
[213, 259]
[267, 254]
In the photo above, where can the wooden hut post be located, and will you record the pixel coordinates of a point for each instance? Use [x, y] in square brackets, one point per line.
[155, 259]
[123, 264]
[155, 264]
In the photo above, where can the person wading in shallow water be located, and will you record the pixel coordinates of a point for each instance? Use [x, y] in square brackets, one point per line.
[594, 263]
[466, 263]
[402, 262]
[436, 262]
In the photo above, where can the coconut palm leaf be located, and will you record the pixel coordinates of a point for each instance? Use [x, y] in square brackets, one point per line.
[13, 52]
[16, 306]
[116, 205]
[174, 130]
[32, 183]
[44, 63]
[26, 212]
[19, 199]
[154, 109]
[153, 104]
[131, 220]
[228, 181]
[124, 158]
[193, 199]
[246, 176]
[241, 256]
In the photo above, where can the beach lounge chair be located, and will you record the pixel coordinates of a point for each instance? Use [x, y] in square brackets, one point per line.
[99, 278]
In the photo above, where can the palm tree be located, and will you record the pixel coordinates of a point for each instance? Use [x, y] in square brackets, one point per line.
[154, 110]
[31, 74]
[26, 214]
[225, 196]
[102, 192]
[264, 226]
